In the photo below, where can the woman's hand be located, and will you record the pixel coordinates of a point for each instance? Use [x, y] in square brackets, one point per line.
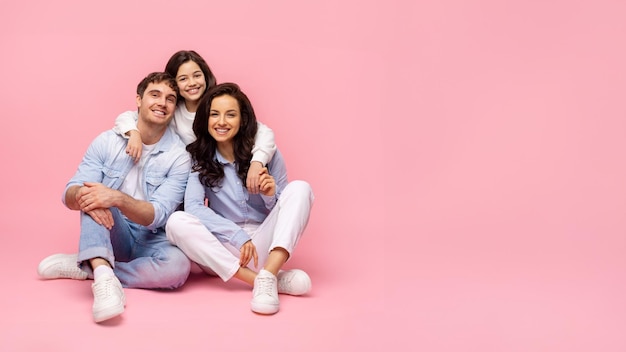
[266, 183]
[247, 252]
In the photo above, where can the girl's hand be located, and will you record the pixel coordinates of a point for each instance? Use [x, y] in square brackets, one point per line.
[135, 145]
[247, 252]
[254, 174]
[266, 183]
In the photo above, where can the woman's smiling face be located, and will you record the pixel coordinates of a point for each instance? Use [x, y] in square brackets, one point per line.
[224, 118]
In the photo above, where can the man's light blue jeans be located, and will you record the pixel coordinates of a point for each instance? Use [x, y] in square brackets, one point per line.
[141, 258]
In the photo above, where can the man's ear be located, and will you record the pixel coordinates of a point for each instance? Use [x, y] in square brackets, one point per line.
[138, 101]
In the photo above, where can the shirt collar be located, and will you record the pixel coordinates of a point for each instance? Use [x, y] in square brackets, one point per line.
[220, 159]
[166, 141]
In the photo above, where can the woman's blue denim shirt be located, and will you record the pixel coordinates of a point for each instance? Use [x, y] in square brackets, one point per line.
[230, 204]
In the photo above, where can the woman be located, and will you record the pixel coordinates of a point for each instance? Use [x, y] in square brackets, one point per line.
[239, 230]
[194, 77]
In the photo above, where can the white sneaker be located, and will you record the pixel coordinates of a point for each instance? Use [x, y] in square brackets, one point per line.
[265, 293]
[294, 282]
[108, 298]
[61, 266]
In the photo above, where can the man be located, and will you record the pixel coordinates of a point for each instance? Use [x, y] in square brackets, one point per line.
[124, 206]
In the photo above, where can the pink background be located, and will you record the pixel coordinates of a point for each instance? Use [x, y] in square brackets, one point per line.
[467, 159]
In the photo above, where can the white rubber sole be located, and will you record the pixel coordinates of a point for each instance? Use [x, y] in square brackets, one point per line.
[108, 313]
[264, 308]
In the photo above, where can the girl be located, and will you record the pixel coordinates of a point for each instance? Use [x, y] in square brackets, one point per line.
[194, 77]
[239, 230]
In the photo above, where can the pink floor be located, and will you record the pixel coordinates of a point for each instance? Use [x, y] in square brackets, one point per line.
[469, 292]
[345, 310]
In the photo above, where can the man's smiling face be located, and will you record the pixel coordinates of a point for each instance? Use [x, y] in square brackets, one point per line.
[157, 104]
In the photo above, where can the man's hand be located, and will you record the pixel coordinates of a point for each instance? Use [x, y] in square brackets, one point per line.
[89, 199]
[102, 217]
[94, 196]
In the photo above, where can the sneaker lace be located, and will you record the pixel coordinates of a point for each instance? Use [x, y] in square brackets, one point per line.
[70, 272]
[284, 283]
[264, 286]
[103, 289]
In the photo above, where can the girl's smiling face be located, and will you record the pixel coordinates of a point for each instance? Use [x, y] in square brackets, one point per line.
[191, 82]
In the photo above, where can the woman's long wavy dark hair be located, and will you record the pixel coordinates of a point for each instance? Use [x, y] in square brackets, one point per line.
[203, 149]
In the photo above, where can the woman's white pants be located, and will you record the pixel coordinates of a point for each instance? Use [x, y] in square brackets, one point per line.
[282, 228]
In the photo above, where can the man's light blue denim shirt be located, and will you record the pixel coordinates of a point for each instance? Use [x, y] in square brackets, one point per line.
[165, 172]
[230, 205]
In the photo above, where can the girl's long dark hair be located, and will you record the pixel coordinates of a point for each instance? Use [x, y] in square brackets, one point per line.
[203, 149]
